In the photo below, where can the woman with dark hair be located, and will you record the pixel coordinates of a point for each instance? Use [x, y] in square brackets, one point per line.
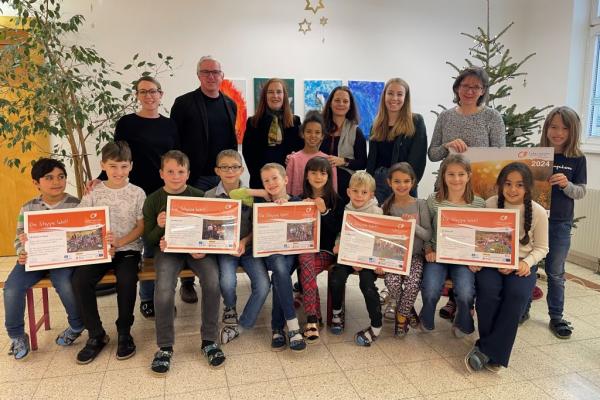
[397, 135]
[345, 144]
[272, 132]
[471, 122]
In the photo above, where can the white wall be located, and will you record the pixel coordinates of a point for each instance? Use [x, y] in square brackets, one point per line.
[372, 40]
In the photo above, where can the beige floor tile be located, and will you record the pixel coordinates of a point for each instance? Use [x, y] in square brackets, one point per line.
[144, 353]
[447, 345]
[33, 367]
[574, 355]
[316, 360]
[275, 390]
[85, 386]
[519, 390]
[250, 368]
[568, 387]
[64, 362]
[194, 375]
[592, 375]
[385, 383]
[350, 356]
[328, 387]
[23, 390]
[351, 327]
[532, 363]
[484, 377]
[434, 376]
[212, 394]
[469, 394]
[410, 348]
[131, 383]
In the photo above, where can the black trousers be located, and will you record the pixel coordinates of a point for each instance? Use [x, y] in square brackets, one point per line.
[337, 283]
[125, 265]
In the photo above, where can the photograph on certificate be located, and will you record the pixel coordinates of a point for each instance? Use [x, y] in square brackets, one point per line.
[486, 163]
[202, 225]
[376, 241]
[288, 228]
[66, 237]
[478, 236]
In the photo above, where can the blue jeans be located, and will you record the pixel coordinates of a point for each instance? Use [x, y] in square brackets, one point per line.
[146, 291]
[463, 281]
[283, 296]
[559, 242]
[16, 286]
[259, 282]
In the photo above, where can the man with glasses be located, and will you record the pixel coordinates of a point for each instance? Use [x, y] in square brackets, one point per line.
[205, 120]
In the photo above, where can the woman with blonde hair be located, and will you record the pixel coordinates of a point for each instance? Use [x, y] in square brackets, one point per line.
[397, 135]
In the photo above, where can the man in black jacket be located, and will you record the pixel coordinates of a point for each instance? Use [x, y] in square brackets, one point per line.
[205, 120]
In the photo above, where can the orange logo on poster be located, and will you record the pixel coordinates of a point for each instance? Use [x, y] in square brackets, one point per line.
[93, 215]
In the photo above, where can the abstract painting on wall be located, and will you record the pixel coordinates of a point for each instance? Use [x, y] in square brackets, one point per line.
[236, 90]
[366, 95]
[316, 93]
[258, 84]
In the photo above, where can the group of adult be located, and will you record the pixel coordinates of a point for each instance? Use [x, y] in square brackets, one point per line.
[202, 123]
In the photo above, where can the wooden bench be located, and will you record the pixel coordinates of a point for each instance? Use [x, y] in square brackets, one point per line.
[146, 274]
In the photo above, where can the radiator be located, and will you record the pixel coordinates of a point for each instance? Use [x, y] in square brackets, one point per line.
[586, 238]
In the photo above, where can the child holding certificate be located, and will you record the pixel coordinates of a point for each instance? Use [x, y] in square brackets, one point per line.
[229, 169]
[50, 178]
[125, 202]
[562, 130]
[404, 289]
[503, 293]
[455, 190]
[175, 171]
[361, 191]
[312, 131]
[318, 188]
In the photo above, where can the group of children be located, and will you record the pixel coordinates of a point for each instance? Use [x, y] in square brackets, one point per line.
[500, 296]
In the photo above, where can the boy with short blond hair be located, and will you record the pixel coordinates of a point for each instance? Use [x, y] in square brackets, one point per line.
[124, 201]
[175, 171]
[361, 191]
[229, 169]
[50, 178]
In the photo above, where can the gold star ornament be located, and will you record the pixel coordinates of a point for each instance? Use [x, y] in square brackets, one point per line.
[304, 26]
[323, 21]
[314, 9]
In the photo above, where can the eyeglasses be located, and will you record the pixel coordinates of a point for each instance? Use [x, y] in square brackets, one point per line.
[229, 168]
[151, 92]
[468, 88]
[214, 72]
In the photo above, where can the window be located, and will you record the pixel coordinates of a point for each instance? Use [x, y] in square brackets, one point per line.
[591, 127]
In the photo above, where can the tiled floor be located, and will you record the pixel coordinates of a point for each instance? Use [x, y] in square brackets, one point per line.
[420, 366]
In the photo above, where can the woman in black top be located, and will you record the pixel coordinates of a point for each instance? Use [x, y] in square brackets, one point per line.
[272, 132]
[345, 144]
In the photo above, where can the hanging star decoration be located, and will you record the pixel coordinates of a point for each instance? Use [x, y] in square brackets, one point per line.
[323, 21]
[304, 26]
[314, 9]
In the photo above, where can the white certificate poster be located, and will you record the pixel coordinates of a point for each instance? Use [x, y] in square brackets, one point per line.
[66, 238]
[202, 225]
[289, 228]
[478, 236]
[377, 241]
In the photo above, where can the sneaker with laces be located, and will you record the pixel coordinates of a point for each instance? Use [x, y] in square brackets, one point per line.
[230, 316]
[19, 347]
[147, 309]
[67, 337]
[228, 333]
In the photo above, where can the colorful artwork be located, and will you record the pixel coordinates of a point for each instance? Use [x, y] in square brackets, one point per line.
[259, 82]
[366, 94]
[316, 93]
[236, 89]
